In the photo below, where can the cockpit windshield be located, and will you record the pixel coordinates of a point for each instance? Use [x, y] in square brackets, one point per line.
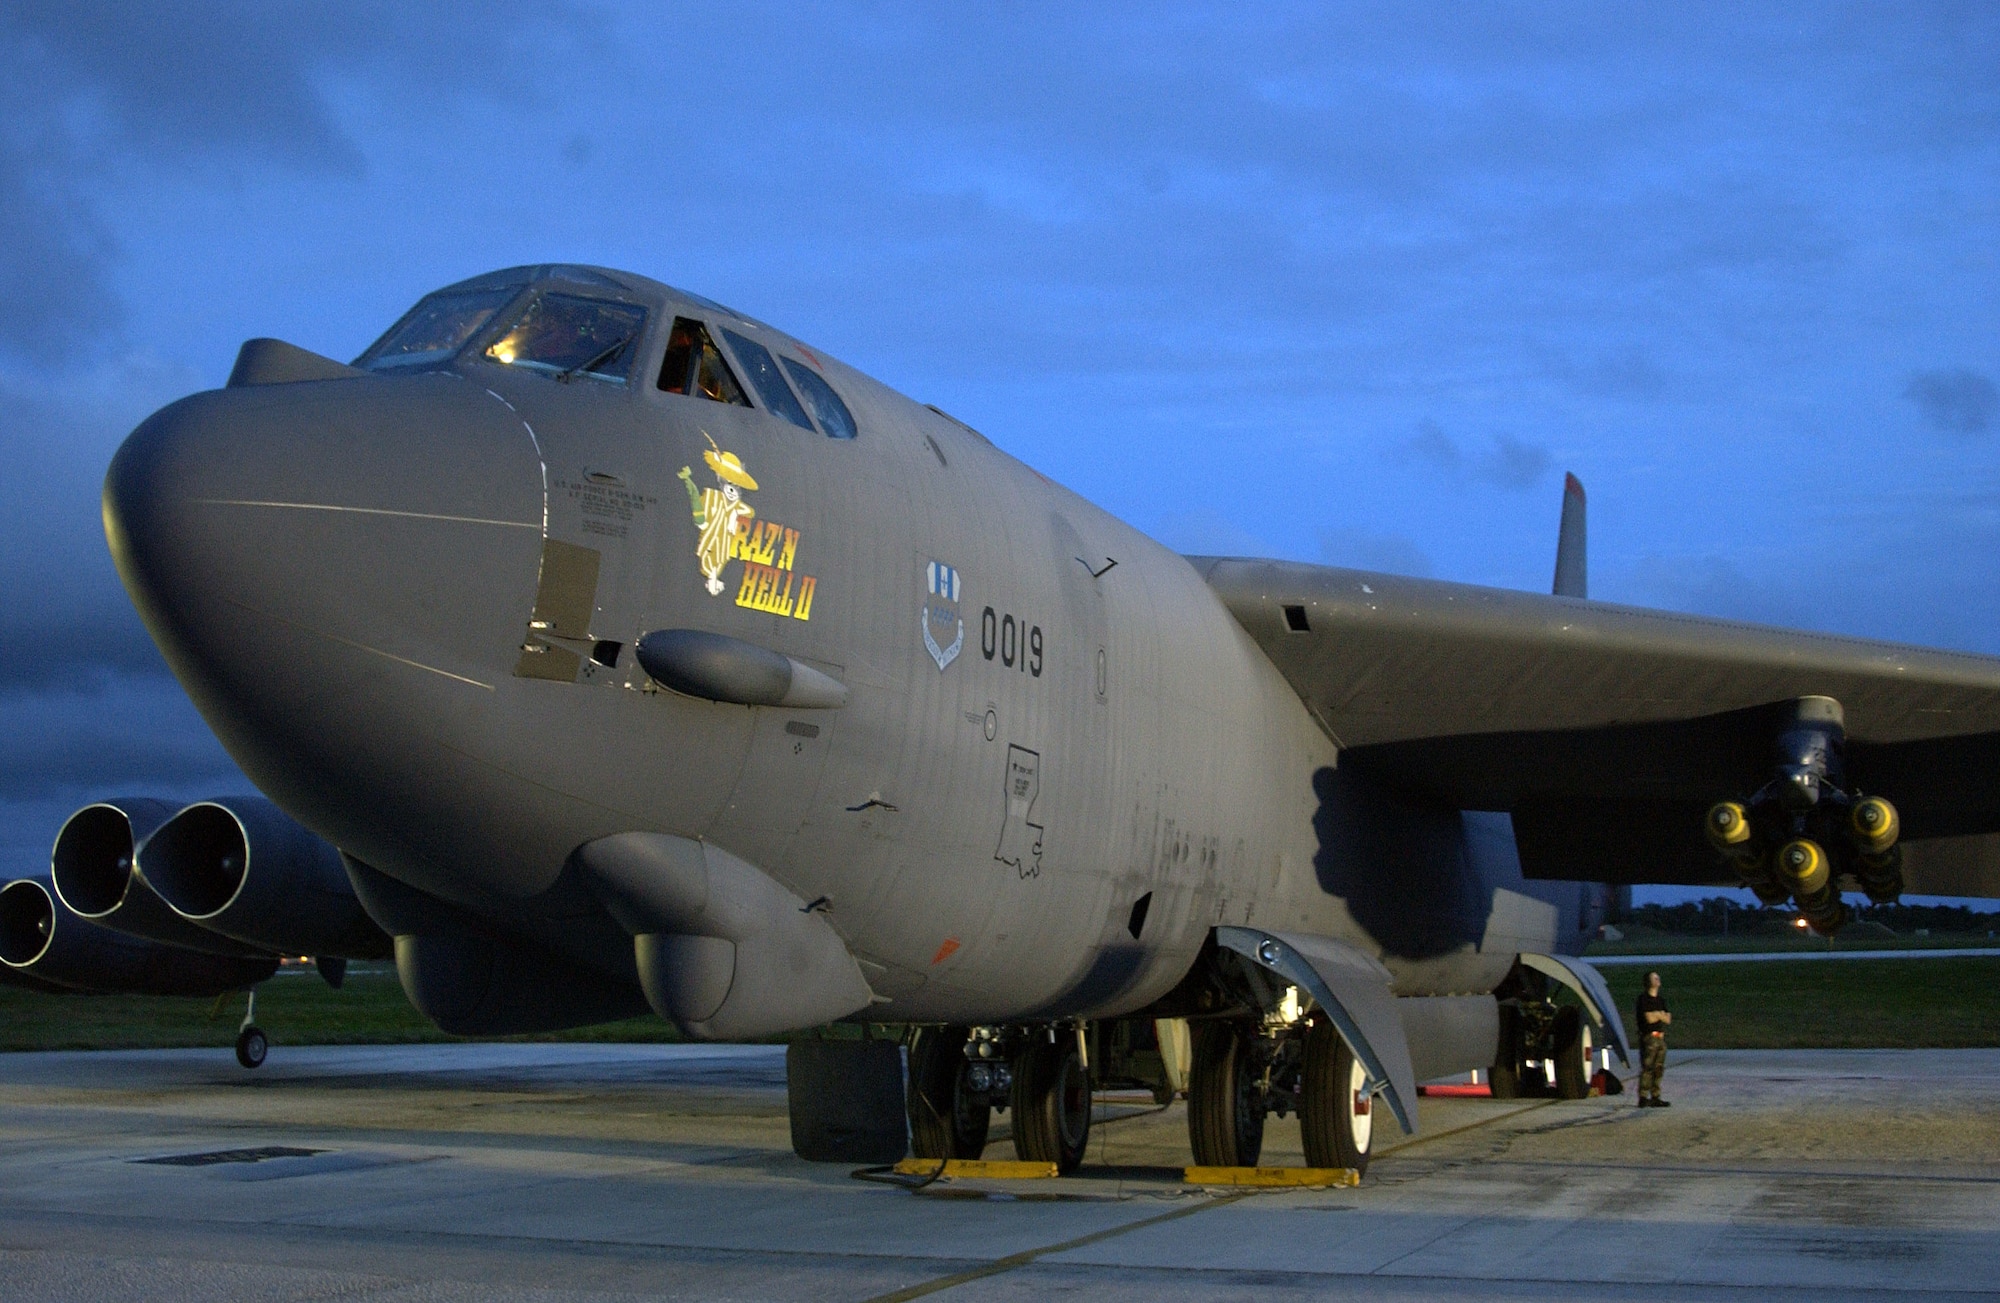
[571, 336]
[436, 328]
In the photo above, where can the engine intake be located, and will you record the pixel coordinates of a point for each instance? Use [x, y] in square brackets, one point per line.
[94, 870]
[46, 940]
[243, 868]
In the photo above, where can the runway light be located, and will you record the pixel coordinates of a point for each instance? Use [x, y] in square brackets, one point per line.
[1798, 922]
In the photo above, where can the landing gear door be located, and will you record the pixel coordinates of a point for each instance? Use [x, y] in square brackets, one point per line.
[1354, 991]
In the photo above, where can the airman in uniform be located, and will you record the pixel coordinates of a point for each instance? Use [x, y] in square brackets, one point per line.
[1653, 1020]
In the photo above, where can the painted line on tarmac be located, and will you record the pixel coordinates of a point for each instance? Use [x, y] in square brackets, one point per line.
[1000, 1266]
[1416, 1140]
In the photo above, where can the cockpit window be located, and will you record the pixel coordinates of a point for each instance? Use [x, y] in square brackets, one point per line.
[834, 418]
[764, 377]
[696, 367]
[573, 336]
[436, 328]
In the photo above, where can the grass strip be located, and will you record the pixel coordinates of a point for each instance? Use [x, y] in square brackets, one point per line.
[293, 1009]
[1855, 1004]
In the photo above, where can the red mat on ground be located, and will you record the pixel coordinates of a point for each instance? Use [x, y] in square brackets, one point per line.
[1458, 1091]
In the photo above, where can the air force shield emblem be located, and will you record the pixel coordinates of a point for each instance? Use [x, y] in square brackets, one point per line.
[944, 630]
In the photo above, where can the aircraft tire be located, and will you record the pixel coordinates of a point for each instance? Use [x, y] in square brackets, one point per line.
[1051, 1103]
[1505, 1078]
[1336, 1121]
[1225, 1124]
[1573, 1053]
[946, 1120]
[251, 1046]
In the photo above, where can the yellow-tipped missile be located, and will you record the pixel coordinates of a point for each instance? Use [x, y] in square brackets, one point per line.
[1728, 825]
[1804, 867]
[1874, 825]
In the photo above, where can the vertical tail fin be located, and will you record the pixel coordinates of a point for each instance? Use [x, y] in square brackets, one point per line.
[1572, 579]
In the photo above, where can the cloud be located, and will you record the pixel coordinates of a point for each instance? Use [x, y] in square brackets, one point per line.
[1361, 549]
[1432, 445]
[1507, 463]
[1958, 400]
[68, 619]
[181, 78]
[1514, 463]
[51, 253]
[133, 733]
[1717, 586]
[173, 91]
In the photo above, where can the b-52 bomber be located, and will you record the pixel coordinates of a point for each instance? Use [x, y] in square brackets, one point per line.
[600, 649]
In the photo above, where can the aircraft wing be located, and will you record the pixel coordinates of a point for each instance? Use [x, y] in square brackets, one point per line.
[1607, 731]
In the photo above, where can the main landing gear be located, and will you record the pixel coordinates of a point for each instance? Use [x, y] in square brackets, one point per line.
[1052, 1104]
[1241, 1068]
[1246, 1071]
[958, 1077]
[949, 1115]
[1545, 1048]
[1336, 1112]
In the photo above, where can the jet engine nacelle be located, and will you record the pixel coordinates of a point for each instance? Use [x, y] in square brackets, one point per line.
[472, 982]
[43, 939]
[243, 868]
[94, 870]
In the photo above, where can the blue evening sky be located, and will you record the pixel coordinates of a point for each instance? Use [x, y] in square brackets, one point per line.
[1336, 283]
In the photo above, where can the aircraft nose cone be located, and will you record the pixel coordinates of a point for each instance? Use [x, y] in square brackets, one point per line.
[311, 556]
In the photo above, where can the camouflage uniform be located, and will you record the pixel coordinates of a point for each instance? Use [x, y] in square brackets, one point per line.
[1652, 1064]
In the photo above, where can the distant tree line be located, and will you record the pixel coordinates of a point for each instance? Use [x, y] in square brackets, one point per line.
[1718, 915]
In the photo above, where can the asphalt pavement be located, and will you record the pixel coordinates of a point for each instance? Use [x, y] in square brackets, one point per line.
[563, 1172]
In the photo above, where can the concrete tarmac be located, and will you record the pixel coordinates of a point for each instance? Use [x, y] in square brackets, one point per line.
[558, 1172]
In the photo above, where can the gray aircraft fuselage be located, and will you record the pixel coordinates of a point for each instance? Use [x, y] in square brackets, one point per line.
[379, 591]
